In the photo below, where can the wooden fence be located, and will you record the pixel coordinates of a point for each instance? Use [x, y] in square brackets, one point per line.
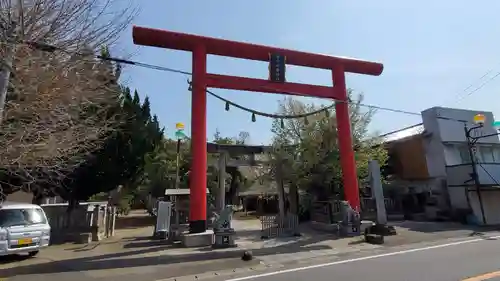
[89, 221]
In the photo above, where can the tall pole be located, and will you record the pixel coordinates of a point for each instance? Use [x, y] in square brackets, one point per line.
[198, 175]
[221, 198]
[177, 164]
[475, 177]
[177, 184]
[349, 173]
[6, 65]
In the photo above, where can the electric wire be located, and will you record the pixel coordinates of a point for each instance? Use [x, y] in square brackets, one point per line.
[488, 173]
[480, 86]
[162, 68]
[52, 48]
[459, 96]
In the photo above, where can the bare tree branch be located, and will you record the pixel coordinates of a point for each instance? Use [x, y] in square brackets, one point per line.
[60, 105]
[74, 24]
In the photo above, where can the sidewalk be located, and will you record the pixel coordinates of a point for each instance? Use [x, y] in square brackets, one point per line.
[132, 255]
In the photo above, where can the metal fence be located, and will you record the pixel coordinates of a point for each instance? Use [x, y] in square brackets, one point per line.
[392, 206]
[329, 212]
[276, 226]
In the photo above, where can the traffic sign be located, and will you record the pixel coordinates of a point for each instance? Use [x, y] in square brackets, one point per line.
[180, 134]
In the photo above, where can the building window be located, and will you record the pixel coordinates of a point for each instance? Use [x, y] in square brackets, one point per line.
[464, 154]
[487, 154]
[496, 154]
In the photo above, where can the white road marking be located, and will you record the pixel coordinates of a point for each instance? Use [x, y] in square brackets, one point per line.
[483, 277]
[363, 258]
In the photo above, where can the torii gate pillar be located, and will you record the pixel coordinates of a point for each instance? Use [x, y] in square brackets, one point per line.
[202, 46]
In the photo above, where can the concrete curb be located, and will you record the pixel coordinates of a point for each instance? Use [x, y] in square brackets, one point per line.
[224, 273]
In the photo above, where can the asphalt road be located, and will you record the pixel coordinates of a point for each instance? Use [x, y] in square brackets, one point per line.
[455, 259]
[468, 261]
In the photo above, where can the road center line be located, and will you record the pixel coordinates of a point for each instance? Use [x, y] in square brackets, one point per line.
[367, 258]
[483, 277]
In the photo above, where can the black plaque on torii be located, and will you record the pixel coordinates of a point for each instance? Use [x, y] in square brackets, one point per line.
[277, 68]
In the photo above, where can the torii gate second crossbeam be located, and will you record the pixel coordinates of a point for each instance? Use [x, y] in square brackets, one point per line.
[201, 47]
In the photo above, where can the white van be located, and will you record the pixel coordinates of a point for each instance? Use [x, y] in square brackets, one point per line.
[23, 229]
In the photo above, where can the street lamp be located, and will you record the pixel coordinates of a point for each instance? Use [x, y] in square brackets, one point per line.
[479, 120]
[179, 134]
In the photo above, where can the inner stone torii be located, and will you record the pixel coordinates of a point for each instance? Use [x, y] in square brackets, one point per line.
[224, 152]
[201, 47]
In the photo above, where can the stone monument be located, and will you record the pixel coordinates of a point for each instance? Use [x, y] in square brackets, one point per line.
[351, 220]
[224, 233]
[375, 233]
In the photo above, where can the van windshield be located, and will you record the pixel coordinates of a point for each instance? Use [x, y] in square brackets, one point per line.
[15, 217]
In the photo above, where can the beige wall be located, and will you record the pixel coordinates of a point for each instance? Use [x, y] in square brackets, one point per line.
[490, 205]
[409, 158]
[21, 197]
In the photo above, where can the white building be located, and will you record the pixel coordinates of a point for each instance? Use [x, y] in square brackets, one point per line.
[435, 156]
[448, 157]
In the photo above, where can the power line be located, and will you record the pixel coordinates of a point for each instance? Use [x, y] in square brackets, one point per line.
[488, 173]
[481, 86]
[459, 96]
[51, 49]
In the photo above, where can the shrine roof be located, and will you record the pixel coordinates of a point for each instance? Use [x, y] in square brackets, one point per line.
[238, 148]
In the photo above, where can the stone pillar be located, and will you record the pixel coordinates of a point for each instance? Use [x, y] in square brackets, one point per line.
[221, 195]
[377, 191]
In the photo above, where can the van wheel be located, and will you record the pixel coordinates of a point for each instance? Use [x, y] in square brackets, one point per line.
[32, 254]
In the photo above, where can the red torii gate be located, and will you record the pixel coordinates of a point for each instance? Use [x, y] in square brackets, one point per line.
[202, 46]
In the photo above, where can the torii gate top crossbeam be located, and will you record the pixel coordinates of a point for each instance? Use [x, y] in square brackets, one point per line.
[188, 42]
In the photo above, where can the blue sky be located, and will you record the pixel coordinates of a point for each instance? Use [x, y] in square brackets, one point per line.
[432, 51]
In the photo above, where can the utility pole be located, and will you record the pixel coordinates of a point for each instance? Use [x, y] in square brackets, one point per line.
[6, 64]
[177, 164]
[475, 177]
[179, 134]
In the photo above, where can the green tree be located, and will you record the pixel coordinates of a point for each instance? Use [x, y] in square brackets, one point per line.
[309, 153]
[121, 160]
[242, 138]
[160, 169]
